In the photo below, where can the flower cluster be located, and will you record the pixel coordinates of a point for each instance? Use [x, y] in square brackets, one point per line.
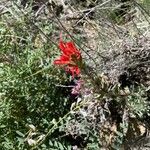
[70, 57]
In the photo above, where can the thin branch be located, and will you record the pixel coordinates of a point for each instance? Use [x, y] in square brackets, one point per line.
[64, 86]
[30, 21]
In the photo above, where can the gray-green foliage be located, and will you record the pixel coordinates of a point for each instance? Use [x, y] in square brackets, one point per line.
[146, 4]
[28, 82]
[138, 102]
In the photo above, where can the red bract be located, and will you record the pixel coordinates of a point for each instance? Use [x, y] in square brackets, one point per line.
[70, 57]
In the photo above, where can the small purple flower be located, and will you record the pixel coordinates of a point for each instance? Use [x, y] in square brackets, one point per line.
[76, 89]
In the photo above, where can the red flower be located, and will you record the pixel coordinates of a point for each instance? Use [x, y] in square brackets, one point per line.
[70, 57]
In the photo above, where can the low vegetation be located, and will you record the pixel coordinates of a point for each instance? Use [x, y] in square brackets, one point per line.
[74, 75]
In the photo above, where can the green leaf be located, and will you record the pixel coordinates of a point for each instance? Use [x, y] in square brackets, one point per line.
[20, 134]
